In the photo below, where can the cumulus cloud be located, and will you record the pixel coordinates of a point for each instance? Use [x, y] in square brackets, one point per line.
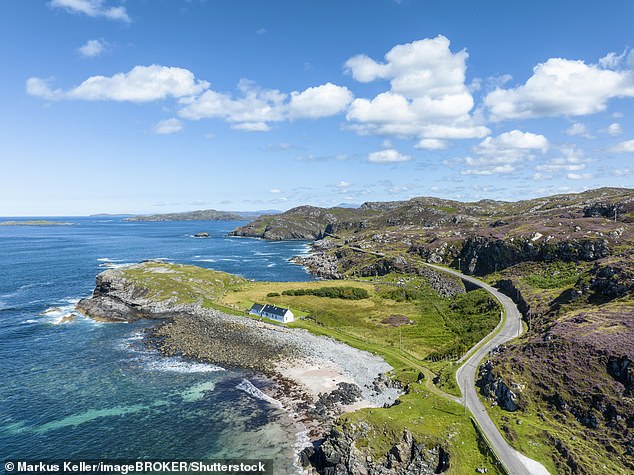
[428, 97]
[579, 176]
[571, 159]
[320, 101]
[621, 172]
[578, 130]
[256, 107]
[560, 87]
[92, 48]
[502, 154]
[388, 156]
[431, 144]
[92, 8]
[140, 84]
[623, 147]
[614, 129]
[168, 126]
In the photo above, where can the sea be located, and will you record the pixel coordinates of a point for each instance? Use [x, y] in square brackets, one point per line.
[72, 388]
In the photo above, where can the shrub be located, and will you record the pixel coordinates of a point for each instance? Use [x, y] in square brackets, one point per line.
[347, 293]
[273, 294]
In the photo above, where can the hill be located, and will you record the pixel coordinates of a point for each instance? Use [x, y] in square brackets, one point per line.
[563, 393]
[200, 215]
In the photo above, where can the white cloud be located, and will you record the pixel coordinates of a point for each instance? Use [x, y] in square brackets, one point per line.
[489, 170]
[260, 31]
[320, 101]
[502, 154]
[343, 184]
[579, 176]
[140, 84]
[570, 160]
[612, 60]
[431, 144]
[560, 87]
[92, 48]
[621, 172]
[256, 106]
[428, 97]
[92, 8]
[624, 147]
[251, 126]
[388, 156]
[614, 129]
[578, 129]
[168, 126]
[275, 190]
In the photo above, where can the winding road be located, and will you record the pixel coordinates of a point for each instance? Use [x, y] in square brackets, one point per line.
[515, 462]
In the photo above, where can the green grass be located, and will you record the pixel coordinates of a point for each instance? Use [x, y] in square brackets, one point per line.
[553, 275]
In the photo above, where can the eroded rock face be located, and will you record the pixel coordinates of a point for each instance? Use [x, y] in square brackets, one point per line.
[622, 370]
[494, 388]
[339, 454]
[483, 255]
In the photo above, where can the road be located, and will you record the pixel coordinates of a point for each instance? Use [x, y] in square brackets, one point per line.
[515, 462]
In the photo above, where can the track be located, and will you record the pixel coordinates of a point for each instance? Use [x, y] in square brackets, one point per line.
[511, 327]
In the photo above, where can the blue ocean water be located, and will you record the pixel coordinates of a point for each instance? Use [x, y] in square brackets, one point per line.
[81, 389]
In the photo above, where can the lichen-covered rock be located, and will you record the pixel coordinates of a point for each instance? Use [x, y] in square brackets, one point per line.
[339, 454]
[494, 388]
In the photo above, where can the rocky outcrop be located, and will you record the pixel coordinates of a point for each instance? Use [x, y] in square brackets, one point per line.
[482, 255]
[495, 389]
[340, 454]
[621, 369]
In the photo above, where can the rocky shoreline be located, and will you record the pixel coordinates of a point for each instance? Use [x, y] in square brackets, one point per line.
[317, 378]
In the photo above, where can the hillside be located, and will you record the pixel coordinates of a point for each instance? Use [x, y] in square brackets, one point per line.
[200, 215]
[563, 392]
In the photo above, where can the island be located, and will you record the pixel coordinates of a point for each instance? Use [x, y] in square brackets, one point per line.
[35, 222]
[199, 215]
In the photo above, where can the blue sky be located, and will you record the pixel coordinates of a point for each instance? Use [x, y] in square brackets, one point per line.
[157, 106]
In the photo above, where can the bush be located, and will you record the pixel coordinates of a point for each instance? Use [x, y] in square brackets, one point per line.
[273, 294]
[347, 293]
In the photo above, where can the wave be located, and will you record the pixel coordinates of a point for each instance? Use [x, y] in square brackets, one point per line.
[115, 265]
[205, 260]
[62, 314]
[177, 365]
[260, 253]
[271, 265]
[248, 387]
[28, 322]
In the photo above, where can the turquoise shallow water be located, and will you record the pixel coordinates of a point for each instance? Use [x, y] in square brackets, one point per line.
[83, 389]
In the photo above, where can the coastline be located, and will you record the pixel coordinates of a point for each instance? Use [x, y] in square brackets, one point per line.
[315, 378]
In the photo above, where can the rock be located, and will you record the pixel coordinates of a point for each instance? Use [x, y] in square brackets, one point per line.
[201, 235]
[340, 454]
[495, 388]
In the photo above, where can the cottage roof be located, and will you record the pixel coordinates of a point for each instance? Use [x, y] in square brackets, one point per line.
[275, 310]
[257, 308]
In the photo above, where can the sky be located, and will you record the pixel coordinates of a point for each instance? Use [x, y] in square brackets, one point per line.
[157, 106]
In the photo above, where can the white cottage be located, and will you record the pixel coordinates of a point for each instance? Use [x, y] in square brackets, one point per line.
[278, 314]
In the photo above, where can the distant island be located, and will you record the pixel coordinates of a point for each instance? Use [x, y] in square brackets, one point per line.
[203, 215]
[35, 222]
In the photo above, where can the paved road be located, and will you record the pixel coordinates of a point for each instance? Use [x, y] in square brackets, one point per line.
[516, 463]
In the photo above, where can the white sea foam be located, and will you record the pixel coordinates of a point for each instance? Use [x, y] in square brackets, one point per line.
[176, 365]
[114, 265]
[260, 253]
[28, 322]
[205, 260]
[271, 265]
[248, 387]
[62, 314]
